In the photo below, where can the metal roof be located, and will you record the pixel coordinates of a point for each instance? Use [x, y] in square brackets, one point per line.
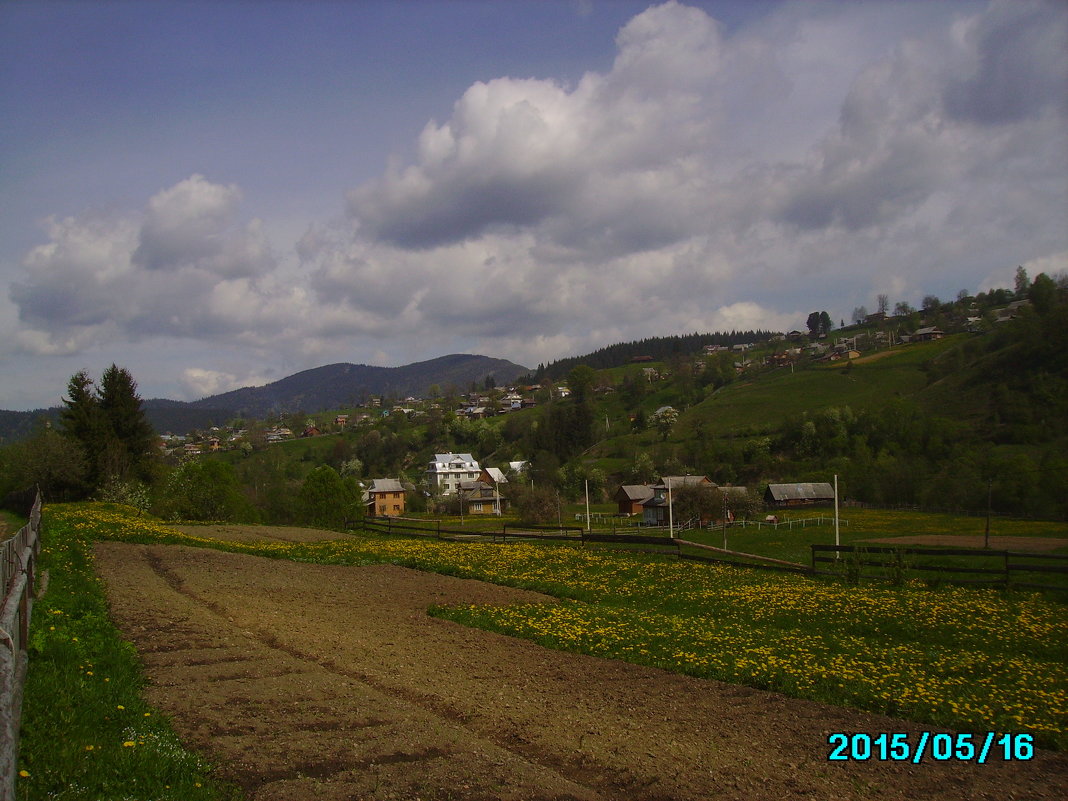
[801, 492]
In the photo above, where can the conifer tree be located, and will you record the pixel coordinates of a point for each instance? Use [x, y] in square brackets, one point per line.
[129, 434]
[81, 421]
[109, 424]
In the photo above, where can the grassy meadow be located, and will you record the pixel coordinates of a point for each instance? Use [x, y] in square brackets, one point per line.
[973, 660]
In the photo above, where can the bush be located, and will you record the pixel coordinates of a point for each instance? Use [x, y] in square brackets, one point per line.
[204, 490]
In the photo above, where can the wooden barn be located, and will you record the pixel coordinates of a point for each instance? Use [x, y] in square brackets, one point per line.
[783, 496]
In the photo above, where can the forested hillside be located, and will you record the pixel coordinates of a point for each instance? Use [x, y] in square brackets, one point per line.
[652, 348]
[963, 406]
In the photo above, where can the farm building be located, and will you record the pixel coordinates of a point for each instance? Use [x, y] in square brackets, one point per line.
[655, 508]
[785, 495]
[630, 497]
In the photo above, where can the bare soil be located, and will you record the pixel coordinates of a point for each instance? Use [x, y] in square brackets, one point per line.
[307, 682]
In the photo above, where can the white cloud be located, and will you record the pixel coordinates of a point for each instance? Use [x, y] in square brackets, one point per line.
[170, 270]
[200, 382]
[703, 182]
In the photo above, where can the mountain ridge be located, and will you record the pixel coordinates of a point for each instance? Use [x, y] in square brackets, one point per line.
[313, 390]
[346, 384]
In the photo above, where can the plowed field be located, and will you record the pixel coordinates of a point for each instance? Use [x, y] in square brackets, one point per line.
[315, 682]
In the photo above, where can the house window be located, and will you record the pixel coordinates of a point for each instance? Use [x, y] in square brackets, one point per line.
[396, 507]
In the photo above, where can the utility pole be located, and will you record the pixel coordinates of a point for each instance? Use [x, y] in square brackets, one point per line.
[724, 493]
[671, 522]
[836, 539]
[587, 483]
[989, 493]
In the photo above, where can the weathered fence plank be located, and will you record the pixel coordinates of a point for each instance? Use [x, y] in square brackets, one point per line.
[18, 559]
[895, 558]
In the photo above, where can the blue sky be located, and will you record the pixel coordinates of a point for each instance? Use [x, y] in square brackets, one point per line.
[220, 194]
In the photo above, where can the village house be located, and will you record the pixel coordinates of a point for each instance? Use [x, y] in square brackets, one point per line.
[447, 470]
[1010, 311]
[385, 497]
[493, 476]
[927, 334]
[630, 497]
[481, 498]
[655, 510]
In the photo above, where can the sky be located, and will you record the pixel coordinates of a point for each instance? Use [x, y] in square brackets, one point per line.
[220, 194]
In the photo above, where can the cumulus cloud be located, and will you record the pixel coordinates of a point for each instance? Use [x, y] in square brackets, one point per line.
[184, 267]
[516, 153]
[702, 182]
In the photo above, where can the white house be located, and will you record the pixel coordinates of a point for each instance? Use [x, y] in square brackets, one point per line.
[449, 469]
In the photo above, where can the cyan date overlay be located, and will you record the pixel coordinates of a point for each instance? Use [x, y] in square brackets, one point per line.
[918, 746]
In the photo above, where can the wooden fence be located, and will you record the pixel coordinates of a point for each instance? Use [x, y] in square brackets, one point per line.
[651, 543]
[971, 566]
[18, 560]
[951, 565]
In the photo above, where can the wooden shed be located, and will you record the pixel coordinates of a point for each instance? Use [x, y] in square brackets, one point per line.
[787, 495]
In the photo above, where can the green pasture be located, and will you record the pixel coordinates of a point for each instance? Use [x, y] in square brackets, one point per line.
[753, 406]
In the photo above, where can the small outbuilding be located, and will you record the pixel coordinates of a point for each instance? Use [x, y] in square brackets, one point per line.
[630, 497]
[805, 494]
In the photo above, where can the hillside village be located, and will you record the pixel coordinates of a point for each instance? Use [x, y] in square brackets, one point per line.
[898, 404]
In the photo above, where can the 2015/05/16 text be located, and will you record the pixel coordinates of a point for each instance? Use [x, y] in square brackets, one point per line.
[899, 747]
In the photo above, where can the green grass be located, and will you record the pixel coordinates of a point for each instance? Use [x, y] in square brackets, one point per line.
[751, 405]
[973, 660]
[860, 525]
[10, 523]
[87, 733]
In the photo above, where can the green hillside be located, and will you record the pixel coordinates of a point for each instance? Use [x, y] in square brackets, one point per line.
[761, 402]
[971, 414]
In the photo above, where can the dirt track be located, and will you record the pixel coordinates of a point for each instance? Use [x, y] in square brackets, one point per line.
[329, 683]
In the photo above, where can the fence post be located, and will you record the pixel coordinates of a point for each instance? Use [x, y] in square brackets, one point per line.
[15, 609]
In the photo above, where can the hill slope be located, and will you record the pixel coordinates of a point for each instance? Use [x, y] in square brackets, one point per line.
[328, 387]
[336, 385]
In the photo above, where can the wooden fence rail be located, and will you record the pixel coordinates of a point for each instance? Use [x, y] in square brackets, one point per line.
[1001, 568]
[18, 560]
[654, 543]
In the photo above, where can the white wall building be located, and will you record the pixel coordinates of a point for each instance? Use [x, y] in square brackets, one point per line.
[449, 469]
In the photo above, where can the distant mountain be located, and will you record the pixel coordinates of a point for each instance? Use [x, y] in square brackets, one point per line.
[20, 425]
[337, 385]
[329, 387]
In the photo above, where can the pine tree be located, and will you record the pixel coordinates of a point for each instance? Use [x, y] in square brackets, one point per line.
[108, 423]
[130, 435]
[82, 422]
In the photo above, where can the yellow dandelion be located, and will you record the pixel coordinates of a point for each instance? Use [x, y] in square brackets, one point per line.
[129, 744]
